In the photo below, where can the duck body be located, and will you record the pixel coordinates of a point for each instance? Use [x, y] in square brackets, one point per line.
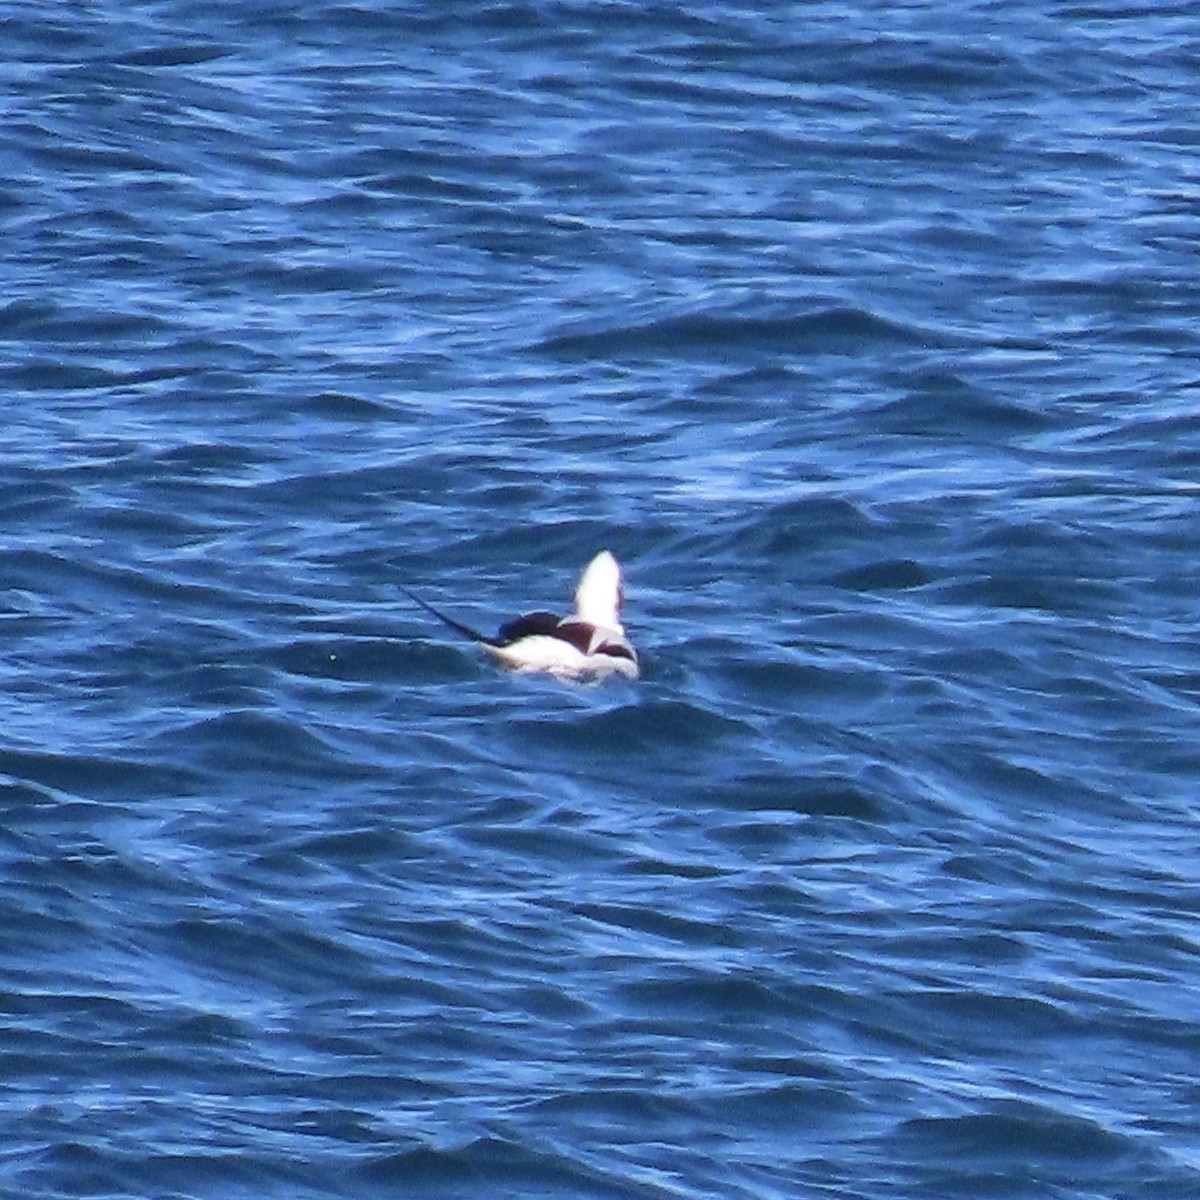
[589, 644]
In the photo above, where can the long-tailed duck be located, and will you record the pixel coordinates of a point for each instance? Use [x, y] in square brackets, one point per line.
[589, 644]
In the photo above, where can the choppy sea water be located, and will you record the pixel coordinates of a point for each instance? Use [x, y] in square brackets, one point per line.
[867, 340]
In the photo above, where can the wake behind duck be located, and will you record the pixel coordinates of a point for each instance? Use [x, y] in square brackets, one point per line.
[589, 644]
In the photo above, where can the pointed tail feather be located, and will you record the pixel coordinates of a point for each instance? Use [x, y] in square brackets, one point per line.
[457, 626]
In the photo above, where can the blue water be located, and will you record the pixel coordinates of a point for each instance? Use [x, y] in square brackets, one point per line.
[867, 337]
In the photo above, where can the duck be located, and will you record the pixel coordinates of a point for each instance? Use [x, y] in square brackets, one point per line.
[589, 644]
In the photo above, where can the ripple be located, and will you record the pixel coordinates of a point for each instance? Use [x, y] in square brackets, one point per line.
[827, 331]
[869, 350]
[1020, 1142]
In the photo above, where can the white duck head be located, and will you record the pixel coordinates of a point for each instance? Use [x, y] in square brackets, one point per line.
[598, 596]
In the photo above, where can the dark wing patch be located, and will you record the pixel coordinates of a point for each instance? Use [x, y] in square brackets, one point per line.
[617, 650]
[534, 624]
[578, 633]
